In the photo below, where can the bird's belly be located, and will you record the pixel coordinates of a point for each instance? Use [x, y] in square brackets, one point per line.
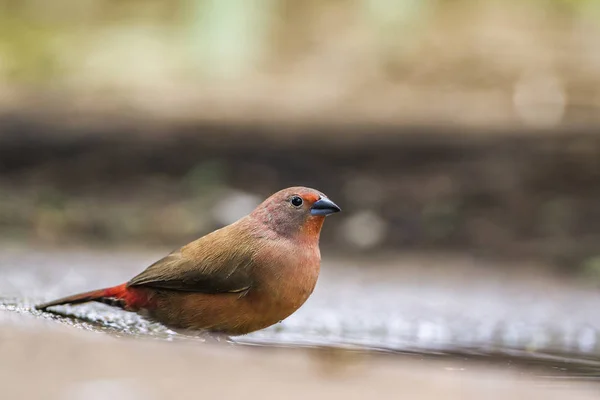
[232, 314]
[271, 307]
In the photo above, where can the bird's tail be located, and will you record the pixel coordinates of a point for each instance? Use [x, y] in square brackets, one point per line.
[117, 296]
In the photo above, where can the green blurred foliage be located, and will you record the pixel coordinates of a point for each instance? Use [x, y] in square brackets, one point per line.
[26, 50]
[591, 270]
[224, 37]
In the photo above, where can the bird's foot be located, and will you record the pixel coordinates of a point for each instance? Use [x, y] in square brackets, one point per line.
[219, 338]
[207, 337]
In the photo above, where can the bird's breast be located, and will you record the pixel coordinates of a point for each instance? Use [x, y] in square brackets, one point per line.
[285, 278]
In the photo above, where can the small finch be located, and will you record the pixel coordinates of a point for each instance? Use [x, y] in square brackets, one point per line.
[238, 279]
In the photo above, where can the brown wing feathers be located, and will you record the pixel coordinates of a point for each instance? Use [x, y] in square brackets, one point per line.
[203, 266]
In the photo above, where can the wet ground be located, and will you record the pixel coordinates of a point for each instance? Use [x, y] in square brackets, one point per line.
[459, 311]
[41, 359]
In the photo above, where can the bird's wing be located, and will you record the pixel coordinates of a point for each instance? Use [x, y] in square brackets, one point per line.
[209, 265]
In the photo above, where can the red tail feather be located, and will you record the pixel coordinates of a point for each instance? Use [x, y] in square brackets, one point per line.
[120, 296]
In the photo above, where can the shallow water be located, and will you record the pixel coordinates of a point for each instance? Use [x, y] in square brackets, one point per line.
[427, 308]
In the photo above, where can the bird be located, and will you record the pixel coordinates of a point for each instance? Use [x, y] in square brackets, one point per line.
[238, 279]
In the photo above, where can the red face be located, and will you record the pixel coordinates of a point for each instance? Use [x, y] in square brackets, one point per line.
[310, 201]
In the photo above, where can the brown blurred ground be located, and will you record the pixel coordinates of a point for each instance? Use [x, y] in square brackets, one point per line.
[517, 194]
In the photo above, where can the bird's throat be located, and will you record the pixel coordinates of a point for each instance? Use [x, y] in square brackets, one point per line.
[312, 227]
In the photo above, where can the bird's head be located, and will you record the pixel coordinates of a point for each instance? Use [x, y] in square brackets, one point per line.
[295, 210]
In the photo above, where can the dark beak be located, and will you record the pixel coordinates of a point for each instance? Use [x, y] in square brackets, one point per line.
[324, 206]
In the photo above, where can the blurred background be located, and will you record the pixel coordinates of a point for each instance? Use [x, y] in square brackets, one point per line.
[459, 137]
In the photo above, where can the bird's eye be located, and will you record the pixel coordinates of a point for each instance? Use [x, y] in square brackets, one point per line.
[296, 201]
